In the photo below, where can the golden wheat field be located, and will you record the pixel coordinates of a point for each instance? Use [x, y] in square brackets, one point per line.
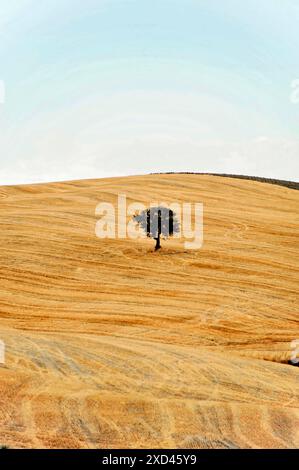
[110, 344]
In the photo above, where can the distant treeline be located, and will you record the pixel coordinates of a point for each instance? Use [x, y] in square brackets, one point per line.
[287, 184]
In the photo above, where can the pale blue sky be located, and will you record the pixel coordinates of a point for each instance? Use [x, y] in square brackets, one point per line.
[110, 87]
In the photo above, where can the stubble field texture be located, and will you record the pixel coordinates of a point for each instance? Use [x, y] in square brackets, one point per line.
[111, 345]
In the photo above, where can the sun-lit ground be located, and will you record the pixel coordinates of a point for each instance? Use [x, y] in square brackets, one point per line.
[109, 344]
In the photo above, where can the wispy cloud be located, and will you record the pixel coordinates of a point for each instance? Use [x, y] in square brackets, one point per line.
[118, 87]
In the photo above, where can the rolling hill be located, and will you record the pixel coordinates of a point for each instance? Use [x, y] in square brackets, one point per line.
[109, 344]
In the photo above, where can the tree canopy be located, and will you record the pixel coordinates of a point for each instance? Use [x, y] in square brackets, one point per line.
[158, 221]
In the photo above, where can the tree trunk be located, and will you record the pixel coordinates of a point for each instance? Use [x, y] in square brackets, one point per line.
[158, 245]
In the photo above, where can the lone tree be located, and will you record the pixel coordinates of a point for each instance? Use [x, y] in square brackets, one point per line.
[156, 222]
